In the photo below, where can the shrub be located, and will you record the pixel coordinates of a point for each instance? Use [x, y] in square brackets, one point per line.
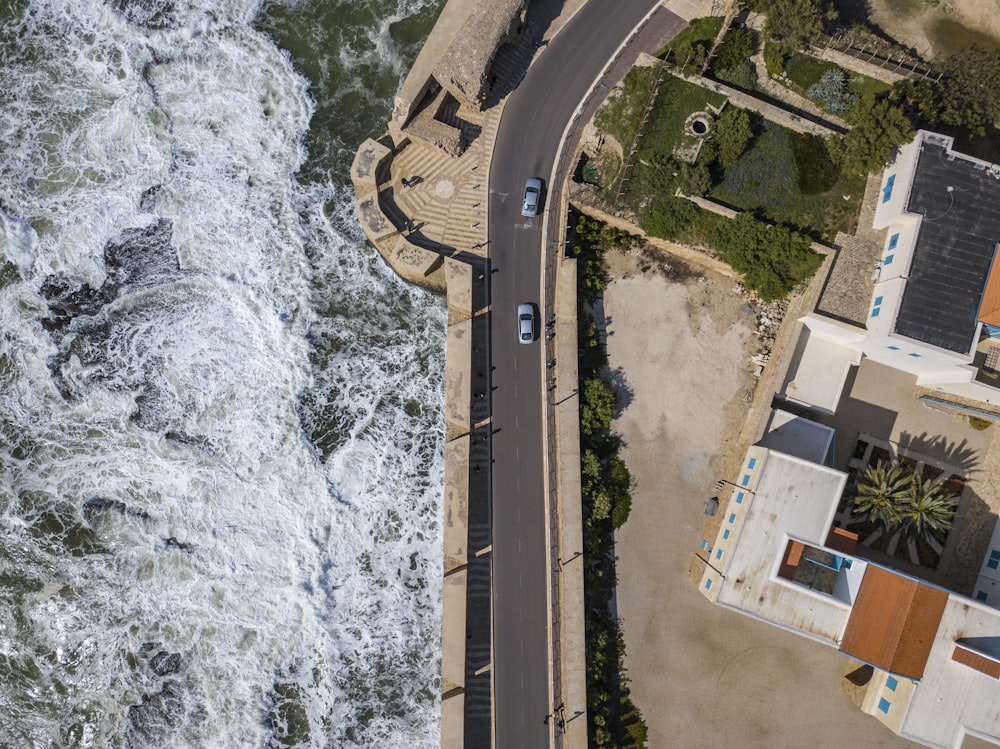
[774, 59]
[831, 92]
[794, 23]
[736, 47]
[817, 170]
[806, 70]
[694, 179]
[667, 217]
[742, 75]
[732, 134]
[979, 424]
[772, 259]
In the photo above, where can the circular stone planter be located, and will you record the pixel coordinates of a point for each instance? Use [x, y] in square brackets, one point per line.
[698, 124]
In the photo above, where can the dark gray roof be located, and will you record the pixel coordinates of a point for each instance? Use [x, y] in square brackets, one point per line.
[960, 202]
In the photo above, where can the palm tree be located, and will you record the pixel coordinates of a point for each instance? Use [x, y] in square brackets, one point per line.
[882, 495]
[929, 509]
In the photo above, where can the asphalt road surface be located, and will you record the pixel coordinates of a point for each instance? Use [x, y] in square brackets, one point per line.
[533, 123]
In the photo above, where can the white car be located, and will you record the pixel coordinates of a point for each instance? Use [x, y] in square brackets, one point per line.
[526, 323]
[532, 197]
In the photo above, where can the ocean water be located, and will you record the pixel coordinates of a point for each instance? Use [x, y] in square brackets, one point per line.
[220, 415]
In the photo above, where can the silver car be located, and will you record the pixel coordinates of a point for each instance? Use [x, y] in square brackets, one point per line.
[532, 197]
[526, 323]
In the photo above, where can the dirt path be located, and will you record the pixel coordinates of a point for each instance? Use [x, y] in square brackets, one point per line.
[703, 677]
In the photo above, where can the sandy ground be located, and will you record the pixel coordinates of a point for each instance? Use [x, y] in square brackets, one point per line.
[937, 29]
[703, 676]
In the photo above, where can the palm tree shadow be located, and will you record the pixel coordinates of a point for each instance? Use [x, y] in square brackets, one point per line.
[957, 454]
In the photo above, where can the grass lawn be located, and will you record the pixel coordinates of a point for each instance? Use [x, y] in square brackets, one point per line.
[619, 116]
[787, 178]
[693, 43]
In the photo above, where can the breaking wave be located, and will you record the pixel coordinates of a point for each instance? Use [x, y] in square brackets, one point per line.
[221, 414]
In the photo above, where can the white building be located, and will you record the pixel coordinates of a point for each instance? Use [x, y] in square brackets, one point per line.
[934, 655]
[936, 298]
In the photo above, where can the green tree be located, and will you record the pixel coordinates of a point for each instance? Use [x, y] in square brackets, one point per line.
[736, 47]
[967, 95]
[597, 406]
[929, 509]
[733, 131]
[794, 23]
[879, 128]
[882, 495]
[694, 179]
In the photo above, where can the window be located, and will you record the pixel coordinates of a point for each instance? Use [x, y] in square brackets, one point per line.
[892, 241]
[887, 190]
[746, 479]
[718, 554]
[704, 544]
[995, 554]
[725, 535]
[915, 356]
[739, 498]
[891, 683]
[993, 564]
[752, 463]
[893, 348]
[875, 306]
[708, 585]
[884, 705]
[732, 517]
[888, 260]
[981, 595]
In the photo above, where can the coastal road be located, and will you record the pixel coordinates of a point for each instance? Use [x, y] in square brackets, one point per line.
[533, 123]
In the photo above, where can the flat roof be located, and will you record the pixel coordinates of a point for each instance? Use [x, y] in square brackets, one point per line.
[955, 699]
[960, 204]
[794, 435]
[794, 498]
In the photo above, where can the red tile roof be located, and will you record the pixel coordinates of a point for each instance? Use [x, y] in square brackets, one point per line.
[893, 622]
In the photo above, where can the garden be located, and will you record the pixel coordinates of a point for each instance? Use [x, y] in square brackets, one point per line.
[899, 504]
[791, 178]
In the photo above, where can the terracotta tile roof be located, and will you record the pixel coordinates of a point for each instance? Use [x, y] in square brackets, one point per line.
[989, 308]
[972, 659]
[893, 622]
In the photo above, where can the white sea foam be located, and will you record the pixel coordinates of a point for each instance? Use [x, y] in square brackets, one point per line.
[233, 452]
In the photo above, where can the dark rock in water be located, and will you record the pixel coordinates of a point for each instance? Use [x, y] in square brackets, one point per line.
[164, 663]
[150, 722]
[148, 647]
[175, 544]
[148, 200]
[175, 435]
[140, 258]
[67, 301]
[96, 505]
[135, 260]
